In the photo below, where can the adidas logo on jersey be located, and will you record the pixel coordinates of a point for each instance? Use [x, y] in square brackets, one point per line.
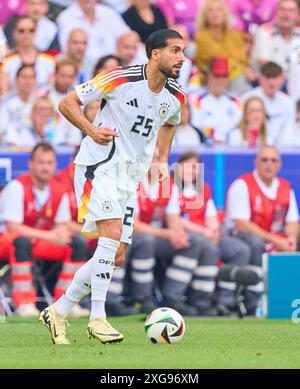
[133, 103]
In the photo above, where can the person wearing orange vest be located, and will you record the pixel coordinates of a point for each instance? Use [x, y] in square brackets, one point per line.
[159, 236]
[262, 211]
[200, 218]
[36, 213]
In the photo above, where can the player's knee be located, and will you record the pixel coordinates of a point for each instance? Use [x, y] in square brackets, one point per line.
[111, 229]
[23, 249]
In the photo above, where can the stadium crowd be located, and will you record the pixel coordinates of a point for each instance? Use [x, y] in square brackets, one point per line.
[241, 76]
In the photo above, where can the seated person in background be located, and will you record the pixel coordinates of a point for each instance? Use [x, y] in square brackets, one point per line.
[159, 235]
[185, 133]
[25, 53]
[213, 111]
[252, 131]
[36, 213]
[262, 211]
[250, 14]
[18, 103]
[280, 108]
[215, 37]
[102, 24]
[42, 123]
[46, 29]
[276, 41]
[200, 218]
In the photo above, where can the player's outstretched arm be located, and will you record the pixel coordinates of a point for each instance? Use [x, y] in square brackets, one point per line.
[70, 108]
[164, 143]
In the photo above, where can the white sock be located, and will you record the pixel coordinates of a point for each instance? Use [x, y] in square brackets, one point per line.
[63, 306]
[102, 268]
[98, 309]
[79, 287]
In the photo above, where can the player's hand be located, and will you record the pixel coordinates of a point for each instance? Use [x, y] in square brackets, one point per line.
[292, 242]
[60, 236]
[102, 135]
[213, 235]
[178, 238]
[162, 171]
[280, 243]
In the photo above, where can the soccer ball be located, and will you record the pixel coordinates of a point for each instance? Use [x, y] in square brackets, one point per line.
[164, 325]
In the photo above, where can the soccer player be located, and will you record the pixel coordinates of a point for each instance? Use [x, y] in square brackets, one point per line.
[140, 107]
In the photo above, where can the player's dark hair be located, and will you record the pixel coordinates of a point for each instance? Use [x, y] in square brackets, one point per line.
[159, 39]
[24, 66]
[271, 70]
[45, 146]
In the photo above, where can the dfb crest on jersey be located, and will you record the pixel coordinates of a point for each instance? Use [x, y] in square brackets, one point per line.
[106, 206]
[87, 88]
[164, 110]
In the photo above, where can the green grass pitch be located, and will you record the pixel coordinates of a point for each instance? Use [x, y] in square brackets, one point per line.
[219, 343]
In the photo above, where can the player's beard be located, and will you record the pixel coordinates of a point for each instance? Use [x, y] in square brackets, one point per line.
[168, 73]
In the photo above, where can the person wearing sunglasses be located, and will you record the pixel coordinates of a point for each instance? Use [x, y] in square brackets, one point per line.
[262, 211]
[26, 53]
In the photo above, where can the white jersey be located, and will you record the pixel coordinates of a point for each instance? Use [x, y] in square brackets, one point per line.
[129, 107]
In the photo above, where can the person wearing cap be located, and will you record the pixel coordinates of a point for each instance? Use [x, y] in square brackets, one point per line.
[213, 110]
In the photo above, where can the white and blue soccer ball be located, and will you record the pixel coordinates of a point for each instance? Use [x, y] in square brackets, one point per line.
[165, 325]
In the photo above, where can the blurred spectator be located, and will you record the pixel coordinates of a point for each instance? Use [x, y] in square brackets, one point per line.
[46, 29]
[252, 131]
[215, 37]
[3, 45]
[18, 104]
[64, 80]
[118, 5]
[159, 235]
[214, 112]
[182, 12]
[102, 24]
[130, 50]
[296, 134]
[185, 134]
[76, 52]
[280, 108]
[265, 215]
[42, 123]
[247, 15]
[276, 41]
[26, 53]
[10, 8]
[144, 18]
[107, 62]
[36, 213]
[200, 218]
